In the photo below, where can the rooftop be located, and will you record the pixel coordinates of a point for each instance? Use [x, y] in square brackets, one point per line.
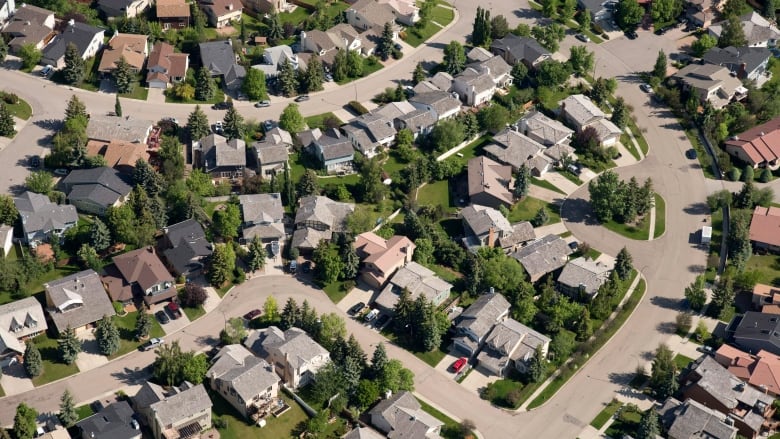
[482, 219]
[38, 213]
[543, 256]
[112, 128]
[761, 143]
[586, 274]
[112, 422]
[488, 176]
[765, 225]
[77, 300]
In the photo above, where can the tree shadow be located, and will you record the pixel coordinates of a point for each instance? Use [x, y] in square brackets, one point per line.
[207, 339]
[578, 210]
[666, 327]
[700, 269]
[134, 375]
[622, 378]
[665, 302]
[49, 124]
[647, 355]
[699, 208]
[436, 45]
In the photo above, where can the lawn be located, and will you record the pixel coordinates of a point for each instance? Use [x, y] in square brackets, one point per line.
[126, 326]
[370, 65]
[571, 177]
[768, 267]
[526, 209]
[335, 291]
[701, 153]
[219, 96]
[640, 139]
[471, 150]
[442, 15]
[625, 139]
[606, 414]
[35, 286]
[547, 185]
[194, 313]
[53, 369]
[660, 216]
[138, 92]
[317, 121]
[626, 422]
[446, 273]
[20, 109]
[84, 411]
[450, 429]
[639, 231]
[681, 361]
[415, 37]
[717, 236]
[435, 193]
[238, 428]
[505, 392]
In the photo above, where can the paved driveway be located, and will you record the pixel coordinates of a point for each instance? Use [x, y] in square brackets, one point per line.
[15, 381]
[174, 324]
[90, 356]
[361, 293]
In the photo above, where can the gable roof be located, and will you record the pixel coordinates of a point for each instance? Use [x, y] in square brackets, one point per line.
[80, 34]
[142, 266]
[247, 375]
[417, 120]
[38, 213]
[478, 54]
[480, 81]
[188, 242]
[112, 422]
[441, 101]
[363, 433]
[77, 300]
[323, 210]
[393, 110]
[261, 208]
[739, 60]
[219, 152]
[542, 127]
[377, 14]
[513, 148]
[162, 55]
[405, 416]
[521, 232]
[757, 29]
[294, 344]
[277, 136]
[172, 8]
[219, 8]
[103, 185]
[333, 145]
[511, 339]
[130, 46]
[480, 317]
[521, 48]
[761, 143]
[384, 254]
[188, 401]
[765, 225]
[584, 273]
[118, 153]
[219, 59]
[418, 280]
[691, 419]
[481, 219]
[113, 128]
[20, 319]
[28, 25]
[761, 370]
[543, 256]
[581, 109]
[488, 176]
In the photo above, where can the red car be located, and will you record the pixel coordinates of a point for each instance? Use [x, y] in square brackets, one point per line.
[174, 309]
[253, 314]
[459, 364]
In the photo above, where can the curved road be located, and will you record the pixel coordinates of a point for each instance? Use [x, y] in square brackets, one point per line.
[668, 263]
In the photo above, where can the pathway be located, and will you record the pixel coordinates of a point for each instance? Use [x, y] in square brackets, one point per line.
[651, 231]
[559, 181]
[636, 144]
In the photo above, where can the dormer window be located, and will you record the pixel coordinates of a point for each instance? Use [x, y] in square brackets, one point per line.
[15, 326]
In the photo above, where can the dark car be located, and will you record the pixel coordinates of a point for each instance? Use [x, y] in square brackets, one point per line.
[631, 34]
[35, 161]
[162, 317]
[222, 105]
[397, 46]
[302, 98]
[691, 154]
[356, 308]
[382, 320]
[306, 266]
[582, 37]
[255, 313]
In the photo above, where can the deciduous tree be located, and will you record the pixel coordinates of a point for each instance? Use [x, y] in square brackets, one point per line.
[291, 119]
[581, 60]
[40, 182]
[254, 84]
[663, 380]
[24, 421]
[620, 113]
[227, 221]
[549, 36]
[8, 212]
[89, 257]
[628, 14]
[454, 58]
[193, 295]
[493, 118]
[30, 56]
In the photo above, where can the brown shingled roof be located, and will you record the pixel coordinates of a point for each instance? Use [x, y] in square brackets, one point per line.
[765, 225]
[172, 9]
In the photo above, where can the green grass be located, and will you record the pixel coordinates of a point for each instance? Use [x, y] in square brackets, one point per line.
[639, 231]
[717, 235]
[194, 313]
[547, 185]
[446, 273]
[681, 361]
[441, 15]
[415, 37]
[660, 216]
[701, 153]
[335, 291]
[592, 253]
[53, 369]
[500, 390]
[138, 92]
[435, 193]
[84, 411]
[126, 326]
[20, 109]
[571, 177]
[35, 286]
[549, 97]
[606, 414]
[526, 209]
[219, 96]
[369, 66]
[625, 424]
[767, 266]
[640, 139]
[431, 358]
[625, 139]
[317, 121]
[450, 429]
[224, 289]
[573, 25]
[238, 428]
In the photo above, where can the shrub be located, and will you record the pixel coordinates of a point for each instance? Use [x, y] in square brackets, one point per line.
[118, 308]
[357, 107]
[765, 176]
[10, 98]
[735, 174]
[597, 28]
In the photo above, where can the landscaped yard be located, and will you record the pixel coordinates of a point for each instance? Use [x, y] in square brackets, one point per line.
[526, 209]
[53, 369]
[237, 428]
[35, 286]
[20, 109]
[450, 429]
[471, 150]
[194, 313]
[84, 411]
[335, 291]
[126, 326]
[441, 15]
[435, 193]
[219, 96]
[506, 393]
[626, 423]
[639, 231]
[317, 121]
[606, 414]
[370, 65]
[547, 185]
[681, 361]
[768, 267]
[660, 216]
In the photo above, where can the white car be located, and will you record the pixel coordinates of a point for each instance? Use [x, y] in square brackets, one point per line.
[647, 88]
[218, 127]
[371, 315]
[153, 343]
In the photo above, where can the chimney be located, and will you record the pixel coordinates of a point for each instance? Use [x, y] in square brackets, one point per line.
[742, 70]
[491, 237]
[230, 7]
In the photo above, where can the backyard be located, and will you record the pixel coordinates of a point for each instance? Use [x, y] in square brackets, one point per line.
[318, 120]
[238, 428]
[767, 266]
[435, 193]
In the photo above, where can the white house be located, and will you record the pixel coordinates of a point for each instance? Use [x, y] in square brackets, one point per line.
[294, 354]
[7, 8]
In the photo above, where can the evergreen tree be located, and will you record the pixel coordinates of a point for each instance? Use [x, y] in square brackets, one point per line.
[275, 31]
[663, 380]
[75, 109]
[117, 107]
[351, 262]
[33, 363]
[287, 80]
[223, 262]
[171, 159]
[289, 187]
[385, 47]
[89, 257]
[6, 121]
[339, 66]
[454, 58]
[354, 64]
[69, 345]
[257, 254]
[308, 184]
[291, 314]
[198, 124]
[68, 415]
[419, 74]
[8, 211]
[24, 421]
[233, 124]
[74, 70]
[695, 294]
[378, 361]
[732, 34]
[204, 86]
[722, 296]
[536, 368]
[480, 36]
[522, 181]
[541, 218]
[3, 50]
[623, 264]
[583, 327]
[147, 178]
[659, 70]
[123, 76]
[403, 312]
[649, 427]
[107, 336]
[620, 113]
[314, 74]
[254, 84]
[143, 325]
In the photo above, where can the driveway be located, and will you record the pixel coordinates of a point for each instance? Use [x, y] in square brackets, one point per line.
[361, 293]
[90, 356]
[174, 324]
[477, 380]
[15, 380]
[156, 95]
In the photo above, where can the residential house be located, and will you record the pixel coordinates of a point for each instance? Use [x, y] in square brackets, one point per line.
[165, 67]
[478, 54]
[475, 323]
[710, 384]
[543, 256]
[263, 215]
[274, 57]
[367, 14]
[402, 416]
[115, 421]
[522, 233]
[77, 301]
[43, 220]
[582, 277]
[755, 331]
[294, 355]
[488, 183]
[95, 190]
[515, 49]
[544, 130]
[766, 298]
[112, 9]
[441, 81]
[701, 12]
[133, 48]
[746, 63]
[516, 150]
[599, 12]
[119, 154]
[762, 370]
[419, 122]
[246, 382]
[173, 14]
[177, 412]
[7, 9]
[441, 104]
[382, 257]
[29, 25]
[765, 228]
[474, 87]
[690, 419]
[139, 274]
[758, 146]
[483, 226]
[580, 112]
[273, 151]
[220, 157]
[394, 110]
[363, 433]
[119, 129]
[418, 281]
[268, 6]
[758, 31]
[185, 248]
[370, 133]
[406, 11]
[711, 83]
[87, 39]
[333, 149]
[340, 36]
[511, 344]
[6, 239]
[317, 218]
[19, 321]
[221, 13]
[221, 62]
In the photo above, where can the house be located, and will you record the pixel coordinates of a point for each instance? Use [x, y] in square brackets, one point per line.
[363, 433]
[483, 226]
[317, 218]
[246, 382]
[512, 148]
[173, 14]
[263, 215]
[761, 370]
[758, 31]
[185, 247]
[515, 49]
[6, 239]
[178, 412]
[441, 104]
[367, 14]
[19, 321]
[95, 190]
[333, 149]
[220, 157]
[701, 12]
[766, 298]
[402, 416]
[165, 67]
[522, 233]
[341, 36]
[711, 83]
[219, 59]
[755, 331]
[133, 48]
[394, 110]
[273, 151]
[441, 81]
[7, 9]
[406, 11]
[43, 220]
[419, 122]
[580, 112]
[488, 183]
[511, 344]
[294, 355]
[495, 66]
[544, 130]
[747, 63]
[274, 57]
[370, 133]
[268, 6]
[543, 256]
[115, 421]
[221, 13]
[112, 9]
[29, 25]
[582, 277]
[694, 420]
[475, 323]
[758, 146]
[382, 257]
[119, 129]
[139, 274]
[77, 301]
[765, 228]
[87, 39]
[119, 154]
[418, 281]
[712, 385]
[474, 87]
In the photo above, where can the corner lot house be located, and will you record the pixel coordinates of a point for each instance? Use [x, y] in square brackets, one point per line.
[748, 63]
[488, 182]
[222, 13]
[77, 301]
[139, 274]
[711, 83]
[511, 344]
[514, 49]
[29, 25]
[19, 321]
[263, 215]
[416, 279]
[43, 220]
[317, 218]
[382, 257]
[543, 256]
[166, 67]
[475, 323]
[692, 419]
[294, 355]
[765, 228]
[580, 112]
[758, 31]
[113, 421]
[582, 278]
[761, 370]
[178, 412]
[95, 190]
[119, 154]
[402, 416]
[246, 382]
[758, 146]
[173, 14]
[87, 39]
[219, 59]
[483, 226]
[134, 48]
[185, 247]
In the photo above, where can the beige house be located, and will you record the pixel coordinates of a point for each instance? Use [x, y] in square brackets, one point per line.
[222, 12]
[581, 113]
[77, 301]
[382, 257]
[174, 413]
[294, 355]
[268, 6]
[401, 416]
[418, 281]
[133, 48]
[19, 321]
[248, 383]
[711, 83]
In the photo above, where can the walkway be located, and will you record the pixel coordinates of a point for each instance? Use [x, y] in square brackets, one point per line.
[651, 231]
[636, 144]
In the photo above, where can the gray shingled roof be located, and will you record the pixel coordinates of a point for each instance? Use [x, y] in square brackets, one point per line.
[734, 57]
[218, 152]
[334, 145]
[126, 129]
[219, 59]
[584, 273]
[405, 416]
[324, 210]
[363, 433]
[513, 148]
[418, 119]
[103, 185]
[80, 34]
[77, 300]
[547, 131]
[693, 420]
[19, 319]
[581, 109]
[188, 243]
[757, 29]
[417, 279]
[521, 232]
[543, 255]
[113, 422]
[261, 208]
[487, 176]
[294, 344]
[480, 317]
[441, 101]
[246, 374]
[38, 213]
[186, 403]
[521, 48]
[481, 219]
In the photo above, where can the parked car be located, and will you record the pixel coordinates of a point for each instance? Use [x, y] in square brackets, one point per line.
[263, 104]
[174, 309]
[268, 125]
[705, 349]
[275, 248]
[61, 171]
[647, 88]
[35, 161]
[329, 77]
[632, 35]
[356, 308]
[224, 105]
[46, 71]
[153, 343]
[218, 127]
[302, 98]
[459, 364]
[382, 320]
[162, 317]
[397, 46]
[582, 37]
[306, 266]
[691, 154]
[255, 313]
[371, 315]
[293, 266]
[172, 120]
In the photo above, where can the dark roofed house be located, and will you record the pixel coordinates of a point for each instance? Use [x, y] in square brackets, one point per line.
[139, 273]
[402, 416]
[177, 412]
[488, 182]
[483, 226]
[334, 150]
[747, 63]
[582, 277]
[185, 247]
[42, 219]
[765, 228]
[95, 190]
[112, 422]
[475, 323]
[29, 25]
[77, 301]
[263, 216]
[87, 39]
[543, 256]
[758, 146]
[758, 31]
[317, 218]
[511, 344]
[516, 49]
[756, 331]
[219, 59]
[691, 419]
[112, 9]
[522, 233]
[220, 157]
